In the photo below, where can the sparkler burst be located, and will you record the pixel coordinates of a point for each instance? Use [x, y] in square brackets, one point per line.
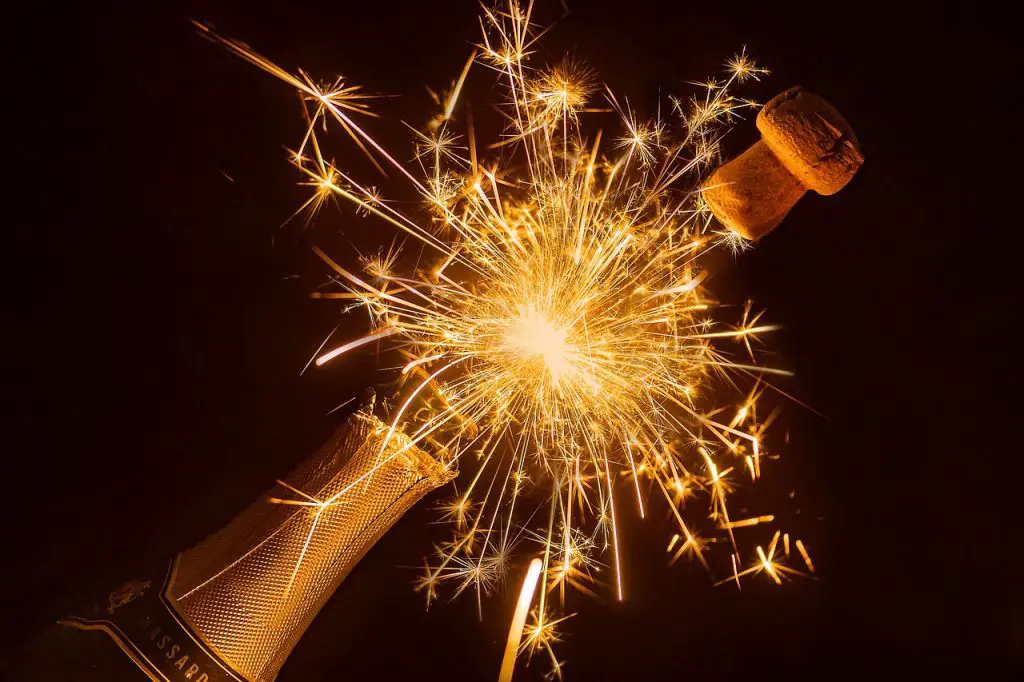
[561, 349]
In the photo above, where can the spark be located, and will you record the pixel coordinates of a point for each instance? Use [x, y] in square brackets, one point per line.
[542, 633]
[805, 556]
[747, 522]
[327, 357]
[515, 632]
[742, 67]
[562, 92]
[766, 563]
[557, 333]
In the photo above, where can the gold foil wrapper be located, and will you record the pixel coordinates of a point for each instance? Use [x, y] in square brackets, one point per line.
[251, 589]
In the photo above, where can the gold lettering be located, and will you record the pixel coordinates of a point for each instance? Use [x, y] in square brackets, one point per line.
[153, 632]
[162, 644]
[180, 663]
[192, 670]
[203, 678]
[173, 651]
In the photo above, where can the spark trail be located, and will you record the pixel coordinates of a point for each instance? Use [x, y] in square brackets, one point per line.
[560, 346]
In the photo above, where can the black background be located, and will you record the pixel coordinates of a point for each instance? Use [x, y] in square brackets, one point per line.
[158, 318]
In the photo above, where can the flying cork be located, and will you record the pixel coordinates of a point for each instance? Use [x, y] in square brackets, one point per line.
[805, 144]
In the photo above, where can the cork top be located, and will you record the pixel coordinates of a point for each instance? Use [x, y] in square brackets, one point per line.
[811, 139]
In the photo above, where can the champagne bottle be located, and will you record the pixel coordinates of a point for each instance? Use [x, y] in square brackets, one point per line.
[233, 607]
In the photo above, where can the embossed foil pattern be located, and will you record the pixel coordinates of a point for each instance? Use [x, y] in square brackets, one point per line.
[252, 589]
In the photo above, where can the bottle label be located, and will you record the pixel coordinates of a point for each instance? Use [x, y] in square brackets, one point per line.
[142, 621]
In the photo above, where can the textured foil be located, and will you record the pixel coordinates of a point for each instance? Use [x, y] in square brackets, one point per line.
[251, 589]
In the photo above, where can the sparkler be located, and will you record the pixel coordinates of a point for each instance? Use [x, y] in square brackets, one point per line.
[560, 344]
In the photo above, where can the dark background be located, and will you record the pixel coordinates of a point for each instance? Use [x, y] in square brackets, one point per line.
[158, 317]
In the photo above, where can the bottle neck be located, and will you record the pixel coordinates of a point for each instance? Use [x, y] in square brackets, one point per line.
[250, 590]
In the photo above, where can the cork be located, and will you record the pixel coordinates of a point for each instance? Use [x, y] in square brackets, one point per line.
[805, 145]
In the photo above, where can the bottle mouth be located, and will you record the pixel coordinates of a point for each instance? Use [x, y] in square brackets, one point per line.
[399, 445]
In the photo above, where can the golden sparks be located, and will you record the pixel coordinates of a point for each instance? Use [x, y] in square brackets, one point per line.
[560, 347]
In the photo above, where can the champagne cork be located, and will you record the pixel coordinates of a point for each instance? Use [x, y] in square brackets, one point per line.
[805, 145]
